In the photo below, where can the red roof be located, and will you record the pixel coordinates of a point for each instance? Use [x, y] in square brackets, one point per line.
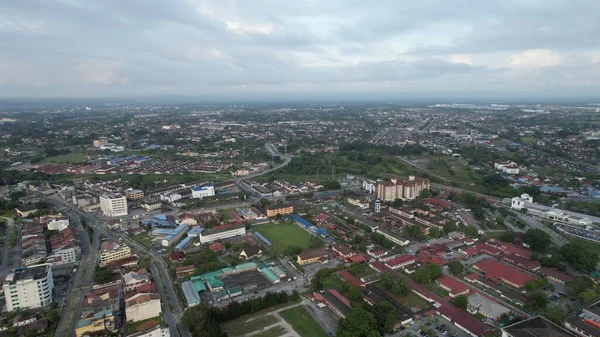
[463, 319]
[319, 297]
[522, 262]
[357, 259]
[400, 260]
[517, 250]
[484, 247]
[555, 273]
[216, 247]
[471, 251]
[339, 297]
[455, 286]
[495, 269]
[344, 249]
[144, 288]
[438, 202]
[378, 266]
[472, 276]
[177, 256]
[355, 282]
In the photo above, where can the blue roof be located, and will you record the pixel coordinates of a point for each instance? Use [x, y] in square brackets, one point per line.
[177, 231]
[160, 217]
[320, 231]
[189, 292]
[262, 238]
[181, 246]
[301, 220]
[162, 231]
[552, 189]
[202, 188]
[195, 231]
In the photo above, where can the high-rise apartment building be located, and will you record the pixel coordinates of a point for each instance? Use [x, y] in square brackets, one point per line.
[402, 189]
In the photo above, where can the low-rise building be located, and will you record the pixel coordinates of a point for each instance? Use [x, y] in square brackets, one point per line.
[479, 304]
[452, 286]
[400, 261]
[535, 326]
[203, 191]
[111, 251]
[313, 256]
[142, 306]
[133, 194]
[279, 210]
[222, 232]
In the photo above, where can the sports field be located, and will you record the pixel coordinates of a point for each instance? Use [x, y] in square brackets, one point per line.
[302, 322]
[283, 235]
[73, 157]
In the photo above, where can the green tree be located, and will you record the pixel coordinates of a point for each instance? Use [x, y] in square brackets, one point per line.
[434, 271]
[508, 237]
[450, 227]
[354, 294]
[587, 295]
[581, 258]
[470, 231]
[397, 202]
[385, 316]
[461, 301]
[358, 323]
[536, 301]
[421, 276]
[554, 314]
[435, 233]
[537, 239]
[456, 268]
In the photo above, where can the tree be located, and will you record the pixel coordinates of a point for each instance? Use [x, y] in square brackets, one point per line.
[397, 202]
[385, 316]
[461, 301]
[450, 227]
[354, 294]
[421, 276]
[470, 231]
[554, 314]
[537, 239]
[456, 268]
[434, 271]
[500, 221]
[587, 295]
[394, 284]
[537, 301]
[358, 323]
[508, 237]
[578, 256]
[264, 202]
[425, 194]
[579, 285]
[435, 233]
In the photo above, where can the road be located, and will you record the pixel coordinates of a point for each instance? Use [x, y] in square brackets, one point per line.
[556, 238]
[172, 312]
[4, 269]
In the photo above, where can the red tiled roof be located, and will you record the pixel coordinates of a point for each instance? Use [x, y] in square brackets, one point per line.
[438, 202]
[378, 266]
[400, 260]
[343, 249]
[471, 251]
[463, 319]
[216, 247]
[521, 261]
[555, 273]
[339, 296]
[516, 250]
[148, 287]
[319, 297]
[357, 259]
[472, 276]
[346, 276]
[456, 287]
[495, 269]
[484, 247]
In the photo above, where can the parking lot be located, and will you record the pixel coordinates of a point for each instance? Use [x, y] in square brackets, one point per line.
[248, 280]
[311, 269]
[436, 325]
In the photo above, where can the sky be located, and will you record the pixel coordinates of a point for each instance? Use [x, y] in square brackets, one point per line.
[267, 48]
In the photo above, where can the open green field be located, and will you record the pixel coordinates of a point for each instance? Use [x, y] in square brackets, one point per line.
[595, 247]
[251, 326]
[143, 325]
[275, 331]
[283, 235]
[73, 157]
[302, 322]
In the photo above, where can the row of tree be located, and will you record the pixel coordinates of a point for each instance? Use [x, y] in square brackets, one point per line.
[204, 320]
[367, 321]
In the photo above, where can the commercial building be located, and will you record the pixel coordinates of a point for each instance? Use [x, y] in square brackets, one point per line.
[62, 256]
[142, 306]
[28, 287]
[113, 205]
[313, 256]
[508, 274]
[222, 232]
[402, 189]
[536, 326]
[134, 280]
[110, 251]
[101, 313]
[279, 210]
[132, 194]
[573, 218]
[203, 191]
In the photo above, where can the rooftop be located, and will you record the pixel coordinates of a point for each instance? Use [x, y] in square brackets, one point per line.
[28, 273]
[537, 326]
[495, 269]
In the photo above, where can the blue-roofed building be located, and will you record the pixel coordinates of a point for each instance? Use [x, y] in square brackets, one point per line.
[161, 231]
[203, 191]
[184, 243]
[262, 238]
[552, 189]
[301, 221]
[195, 231]
[319, 231]
[175, 235]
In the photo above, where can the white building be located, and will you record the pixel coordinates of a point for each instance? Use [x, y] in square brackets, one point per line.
[29, 287]
[363, 204]
[113, 205]
[142, 306]
[203, 192]
[552, 213]
[175, 235]
[63, 256]
[370, 186]
[58, 224]
[507, 167]
[157, 331]
[222, 232]
[172, 197]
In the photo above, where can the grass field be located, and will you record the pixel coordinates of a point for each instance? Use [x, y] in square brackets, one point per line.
[303, 322]
[275, 331]
[595, 247]
[73, 157]
[283, 235]
[413, 300]
[247, 327]
[143, 325]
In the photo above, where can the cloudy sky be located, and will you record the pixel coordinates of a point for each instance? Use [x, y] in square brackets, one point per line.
[199, 48]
